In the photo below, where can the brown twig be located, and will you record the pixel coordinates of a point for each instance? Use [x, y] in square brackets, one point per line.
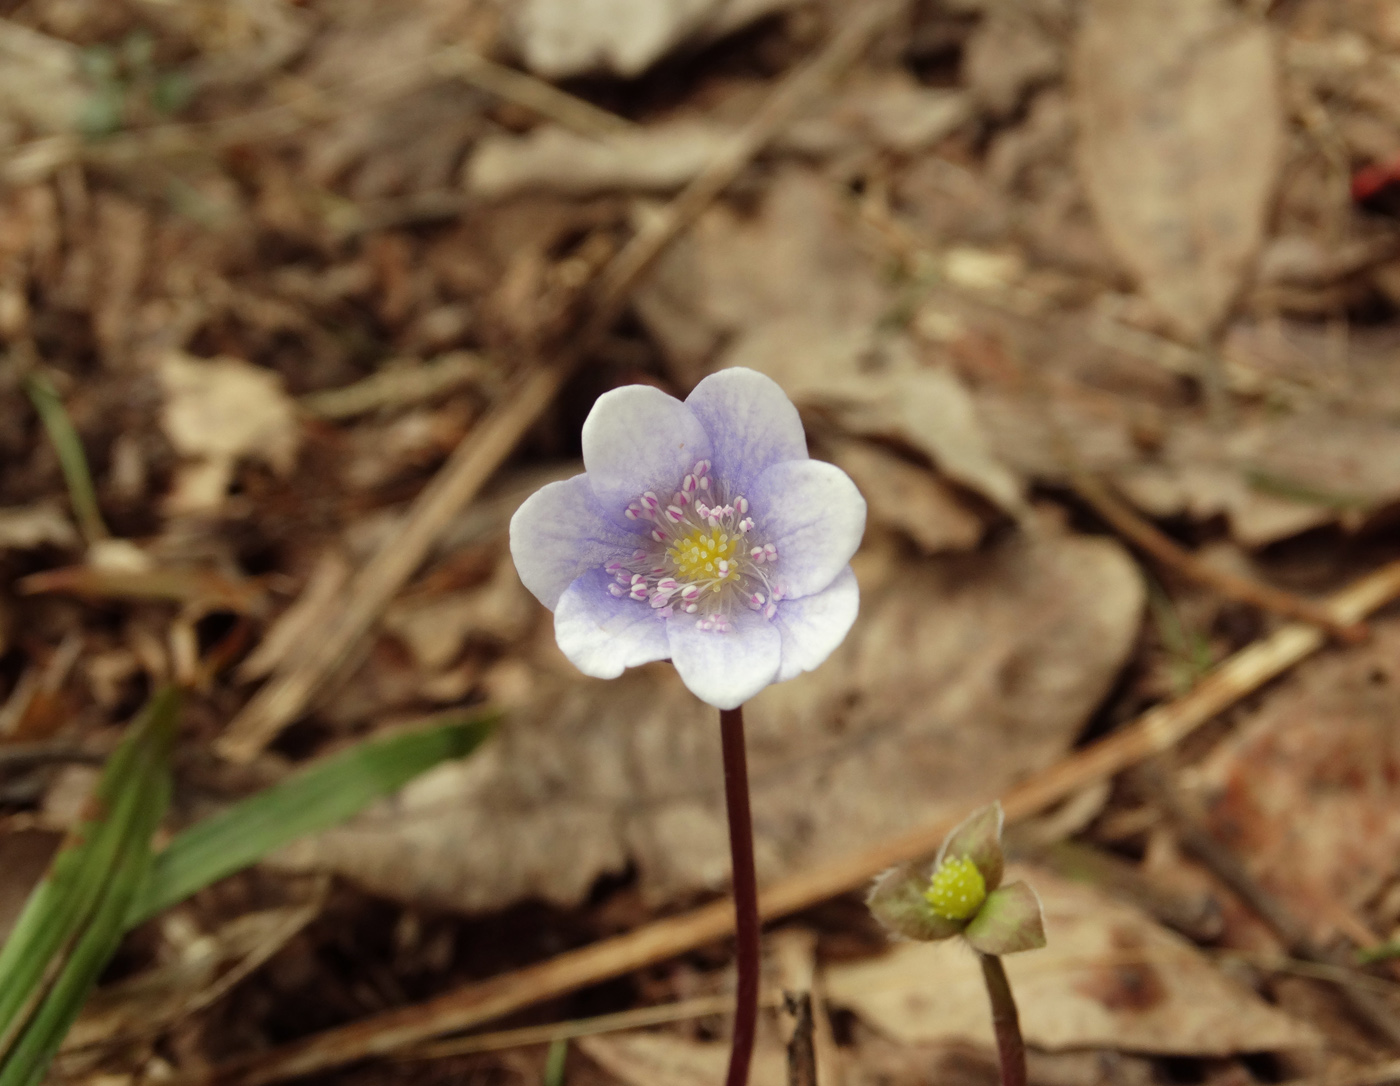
[1148, 538]
[1155, 731]
[1228, 868]
[801, 1047]
[287, 694]
[745, 883]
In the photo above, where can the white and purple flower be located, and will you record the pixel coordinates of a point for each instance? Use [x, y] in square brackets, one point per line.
[700, 532]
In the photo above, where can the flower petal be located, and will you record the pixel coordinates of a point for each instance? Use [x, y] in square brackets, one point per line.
[603, 635]
[1010, 920]
[978, 838]
[814, 625]
[725, 669]
[812, 512]
[751, 422]
[636, 439]
[897, 901]
[560, 531]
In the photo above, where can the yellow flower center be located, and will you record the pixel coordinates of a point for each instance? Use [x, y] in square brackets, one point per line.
[957, 889]
[697, 555]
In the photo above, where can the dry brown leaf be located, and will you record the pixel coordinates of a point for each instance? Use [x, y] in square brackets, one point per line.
[1180, 143]
[218, 411]
[1110, 977]
[960, 675]
[435, 629]
[571, 37]
[909, 498]
[1011, 52]
[793, 293]
[1305, 791]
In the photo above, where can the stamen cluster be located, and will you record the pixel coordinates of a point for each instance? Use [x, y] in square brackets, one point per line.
[704, 555]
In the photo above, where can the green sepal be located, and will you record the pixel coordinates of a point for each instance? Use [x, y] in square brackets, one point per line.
[1009, 920]
[897, 901]
[978, 838]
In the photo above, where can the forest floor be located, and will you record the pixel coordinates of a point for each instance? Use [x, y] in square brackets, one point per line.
[1098, 302]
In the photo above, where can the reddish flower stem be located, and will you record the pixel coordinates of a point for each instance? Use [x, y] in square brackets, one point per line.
[736, 797]
[1011, 1050]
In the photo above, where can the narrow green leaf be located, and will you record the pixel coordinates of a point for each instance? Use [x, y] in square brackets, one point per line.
[73, 920]
[315, 799]
[556, 1062]
[71, 457]
[44, 1032]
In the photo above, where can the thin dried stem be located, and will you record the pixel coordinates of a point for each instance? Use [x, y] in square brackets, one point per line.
[736, 802]
[1146, 537]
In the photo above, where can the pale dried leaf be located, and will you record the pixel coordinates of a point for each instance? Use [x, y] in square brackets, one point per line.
[218, 411]
[570, 37]
[1180, 143]
[41, 80]
[960, 675]
[656, 158]
[1110, 977]
[33, 526]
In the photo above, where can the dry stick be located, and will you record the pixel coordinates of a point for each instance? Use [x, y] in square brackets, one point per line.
[1006, 1023]
[286, 696]
[1146, 537]
[1155, 731]
[736, 802]
[1226, 866]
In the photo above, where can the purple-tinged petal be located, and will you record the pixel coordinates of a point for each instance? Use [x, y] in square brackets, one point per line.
[812, 512]
[1010, 920]
[636, 439]
[978, 838]
[602, 635]
[560, 531]
[751, 422]
[897, 902]
[725, 669]
[814, 625]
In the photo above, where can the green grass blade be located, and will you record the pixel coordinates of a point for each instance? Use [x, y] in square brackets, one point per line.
[71, 457]
[67, 930]
[60, 906]
[556, 1062]
[44, 1032]
[316, 798]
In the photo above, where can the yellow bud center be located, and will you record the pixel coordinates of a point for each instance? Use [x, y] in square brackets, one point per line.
[697, 555]
[957, 889]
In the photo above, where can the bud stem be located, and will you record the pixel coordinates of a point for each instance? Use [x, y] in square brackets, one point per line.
[736, 796]
[1011, 1050]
